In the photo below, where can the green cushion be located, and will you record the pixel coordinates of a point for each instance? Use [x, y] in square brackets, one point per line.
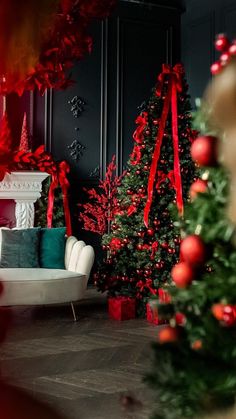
[52, 248]
[20, 248]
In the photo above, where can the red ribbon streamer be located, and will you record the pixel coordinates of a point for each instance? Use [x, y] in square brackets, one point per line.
[51, 195]
[64, 183]
[60, 178]
[141, 121]
[174, 86]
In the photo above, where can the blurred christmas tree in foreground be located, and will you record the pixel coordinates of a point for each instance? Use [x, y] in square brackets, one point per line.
[194, 369]
[143, 246]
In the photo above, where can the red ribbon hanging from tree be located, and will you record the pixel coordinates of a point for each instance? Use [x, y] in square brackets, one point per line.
[60, 178]
[64, 183]
[174, 86]
[51, 195]
[141, 121]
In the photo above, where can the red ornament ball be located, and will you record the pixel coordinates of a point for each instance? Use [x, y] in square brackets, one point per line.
[164, 245]
[221, 43]
[150, 231]
[193, 250]
[168, 335]
[216, 68]
[199, 186]
[229, 315]
[139, 246]
[180, 319]
[224, 58]
[204, 150]
[196, 345]
[232, 49]
[182, 274]
[147, 132]
[218, 311]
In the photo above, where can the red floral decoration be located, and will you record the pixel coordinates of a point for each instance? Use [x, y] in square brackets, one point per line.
[67, 40]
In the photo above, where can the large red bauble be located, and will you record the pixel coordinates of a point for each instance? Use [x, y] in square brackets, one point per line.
[168, 335]
[182, 274]
[218, 311]
[229, 316]
[199, 186]
[222, 43]
[224, 58]
[204, 150]
[232, 49]
[216, 68]
[193, 250]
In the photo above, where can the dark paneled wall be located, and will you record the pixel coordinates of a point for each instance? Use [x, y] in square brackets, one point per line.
[114, 80]
[202, 20]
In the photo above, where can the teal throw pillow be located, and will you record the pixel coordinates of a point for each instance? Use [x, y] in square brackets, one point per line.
[20, 248]
[52, 248]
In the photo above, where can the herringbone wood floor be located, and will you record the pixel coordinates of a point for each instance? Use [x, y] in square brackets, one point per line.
[85, 369]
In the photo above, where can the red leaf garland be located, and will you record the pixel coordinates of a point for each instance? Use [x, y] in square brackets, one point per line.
[67, 40]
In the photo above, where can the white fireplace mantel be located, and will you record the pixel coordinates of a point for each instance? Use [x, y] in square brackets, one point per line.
[24, 187]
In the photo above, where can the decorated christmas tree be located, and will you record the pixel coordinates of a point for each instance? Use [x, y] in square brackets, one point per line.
[194, 358]
[41, 207]
[143, 245]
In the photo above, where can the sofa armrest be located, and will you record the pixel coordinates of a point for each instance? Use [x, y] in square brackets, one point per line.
[79, 257]
[85, 261]
[72, 252]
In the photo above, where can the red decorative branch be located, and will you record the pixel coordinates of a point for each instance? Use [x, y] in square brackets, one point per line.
[102, 206]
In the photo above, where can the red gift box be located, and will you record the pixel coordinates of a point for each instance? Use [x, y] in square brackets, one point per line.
[121, 308]
[152, 315]
[164, 296]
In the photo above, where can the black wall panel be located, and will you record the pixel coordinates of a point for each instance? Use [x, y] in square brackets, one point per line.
[200, 23]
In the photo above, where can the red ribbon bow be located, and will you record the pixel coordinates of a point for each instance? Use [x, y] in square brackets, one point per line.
[161, 178]
[174, 86]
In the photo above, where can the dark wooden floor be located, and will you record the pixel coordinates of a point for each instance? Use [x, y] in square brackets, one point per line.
[85, 369]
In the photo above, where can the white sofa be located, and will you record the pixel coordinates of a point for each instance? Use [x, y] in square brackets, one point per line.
[39, 286]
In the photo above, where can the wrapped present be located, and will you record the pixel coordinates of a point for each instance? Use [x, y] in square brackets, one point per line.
[164, 296]
[121, 308]
[152, 314]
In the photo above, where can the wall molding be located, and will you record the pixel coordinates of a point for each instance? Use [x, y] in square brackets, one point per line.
[104, 93]
[48, 119]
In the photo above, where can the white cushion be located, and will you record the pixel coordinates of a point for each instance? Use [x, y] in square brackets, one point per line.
[32, 286]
